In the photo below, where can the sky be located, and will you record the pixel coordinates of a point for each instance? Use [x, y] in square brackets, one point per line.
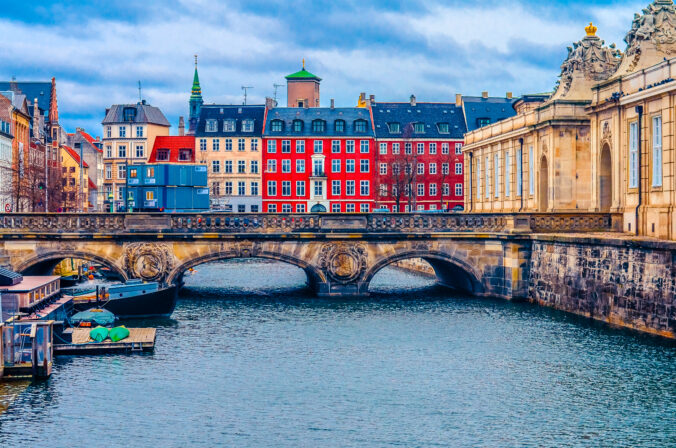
[99, 50]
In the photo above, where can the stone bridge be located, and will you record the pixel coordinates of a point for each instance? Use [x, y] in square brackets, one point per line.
[485, 255]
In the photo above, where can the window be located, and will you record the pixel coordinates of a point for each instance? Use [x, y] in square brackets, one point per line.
[421, 169]
[408, 168]
[433, 189]
[383, 190]
[335, 208]
[109, 151]
[408, 148]
[254, 148]
[228, 167]
[364, 166]
[481, 122]
[241, 188]
[433, 148]
[286, 166]
[254, 208]
[216, 144]
[318, 126]
[254, 167]
[349, 187]
[300, 188]
[364, 188]
[109, 132]
[300, 146]
[286, 188]
[272, 188]
[496, 172]
[272, 146]
[478, 178]
[420, 190]
[300, 166]
[286, 146]
[446, 191]
[383, 168]
[335, 166]
[364, 208]
[140, 153]
[395, 191]
[241, 208]
[122, 151]
[203, 144]
[247, 125]
[395, 128]
[318, 146]
[458, 168]
[335, 146]
[349, 146]
[364, 146]
[519, 180]
[340, 125]
[383, 148]
[216, 188]
[241, 167]
[318, 167]
[349, 208]
[657, 151]
[458, 189]
[254, 189]
[121, 171]
[215, 166]
[272, 166]
[444, 148]
[319, 188]
[276, 126]
[531, 172]
[300, 208]
[109, 171]
[139, 131]
[150, 172]
[349, 166]
[297, 125]
[229, 125]
[150, 195]
[395, 148]
[488, 176]
[335, 187]
[272, 208]
[421, 148]
[360, 126]
[211, 126]
[433, 168]
[122, 131]
[443, 128]
[228, 144]
[458, 148]
[240, 145]
[286, 208]
[633, 155]
[508, 167]
[419, 128]
[395, 168]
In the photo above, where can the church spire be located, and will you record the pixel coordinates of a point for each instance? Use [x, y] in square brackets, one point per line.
[195, 102]
[53, 105]
[196, 89]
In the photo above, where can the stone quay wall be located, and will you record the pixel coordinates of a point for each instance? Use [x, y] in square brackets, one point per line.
[624, 282]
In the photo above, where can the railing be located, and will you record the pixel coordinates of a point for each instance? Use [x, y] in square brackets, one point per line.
[261, 223]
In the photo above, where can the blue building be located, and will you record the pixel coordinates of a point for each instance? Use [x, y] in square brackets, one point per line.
[164, 187]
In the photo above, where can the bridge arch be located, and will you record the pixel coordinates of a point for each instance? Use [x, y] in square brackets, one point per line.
[450, 271]
[44, 263]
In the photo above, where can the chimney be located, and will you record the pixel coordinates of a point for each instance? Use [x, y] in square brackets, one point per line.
[36, 115]
[484, 94]
[181, 126]
[372, 99]
[78, 130]
[270, 103]
[458, 99]
[412, 100]
[509, 95]
[333, 103]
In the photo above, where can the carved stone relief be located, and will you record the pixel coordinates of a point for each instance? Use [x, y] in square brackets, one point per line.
[148, 261]
[342, 262]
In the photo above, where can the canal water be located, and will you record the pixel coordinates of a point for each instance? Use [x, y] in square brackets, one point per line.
[251, 359]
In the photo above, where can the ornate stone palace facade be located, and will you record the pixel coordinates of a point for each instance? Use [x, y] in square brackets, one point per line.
[603, 141]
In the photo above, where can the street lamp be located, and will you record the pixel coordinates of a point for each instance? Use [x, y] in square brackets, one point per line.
[112, 203]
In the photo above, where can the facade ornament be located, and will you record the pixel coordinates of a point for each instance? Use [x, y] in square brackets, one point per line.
[148, 261]
[653, 30]
[342, 262]
[606, 131]
[247, 249]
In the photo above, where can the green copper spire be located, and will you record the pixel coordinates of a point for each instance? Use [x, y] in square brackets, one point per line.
[195, 102]
[196, 89]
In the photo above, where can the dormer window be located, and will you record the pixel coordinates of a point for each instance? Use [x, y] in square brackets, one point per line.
[129, 113]
[276, 125]
[162, 155]
[360, 126]
[419, 128]
[298, 126]
[228, 125]
[247, 125]
[481, 122]
[395, 128]
[339, 126]
[211, 126]
[184, 155]
[318, 126]
[443, 128]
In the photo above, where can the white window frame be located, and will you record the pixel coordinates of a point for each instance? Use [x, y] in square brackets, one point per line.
[657, 151]
[633, 154]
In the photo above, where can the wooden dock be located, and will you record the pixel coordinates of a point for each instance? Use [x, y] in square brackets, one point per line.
[139, 340]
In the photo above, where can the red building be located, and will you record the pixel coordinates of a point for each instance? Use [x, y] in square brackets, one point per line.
[173, 149]
[318, 160]
[418, 158]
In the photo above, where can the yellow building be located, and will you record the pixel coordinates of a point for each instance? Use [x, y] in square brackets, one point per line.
[75, 178]
[129, 132]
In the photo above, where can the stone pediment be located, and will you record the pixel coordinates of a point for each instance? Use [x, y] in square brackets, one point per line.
[652, 37]
[589, 61]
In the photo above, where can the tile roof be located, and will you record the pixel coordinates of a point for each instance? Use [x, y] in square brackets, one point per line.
[90, 140]
[289, 114]
[220, 113]
[40, 90]
[493, 109]
[173, 144]
[145, 113]
[431, 114]
[92, 185]
[75, 156]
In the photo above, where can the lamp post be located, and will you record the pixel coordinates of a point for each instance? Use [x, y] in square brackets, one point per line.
[112, 203]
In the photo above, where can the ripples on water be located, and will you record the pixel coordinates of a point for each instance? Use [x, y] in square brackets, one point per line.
[263, 363]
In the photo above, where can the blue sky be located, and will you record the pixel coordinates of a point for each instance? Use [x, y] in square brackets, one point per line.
[99, 50]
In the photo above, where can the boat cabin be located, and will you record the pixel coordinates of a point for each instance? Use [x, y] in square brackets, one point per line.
[26, 349]
[25, 294]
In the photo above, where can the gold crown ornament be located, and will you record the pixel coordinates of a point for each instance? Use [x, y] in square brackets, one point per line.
[591, 30]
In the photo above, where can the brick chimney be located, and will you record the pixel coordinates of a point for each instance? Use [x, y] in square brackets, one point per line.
[270, 103]
[181, 126]
[509, 95]
[484, 95]
[372, 99]
[413, 100]
[458, 99]
[333, 103]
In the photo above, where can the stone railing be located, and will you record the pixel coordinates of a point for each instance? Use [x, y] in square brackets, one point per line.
[223, 223]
